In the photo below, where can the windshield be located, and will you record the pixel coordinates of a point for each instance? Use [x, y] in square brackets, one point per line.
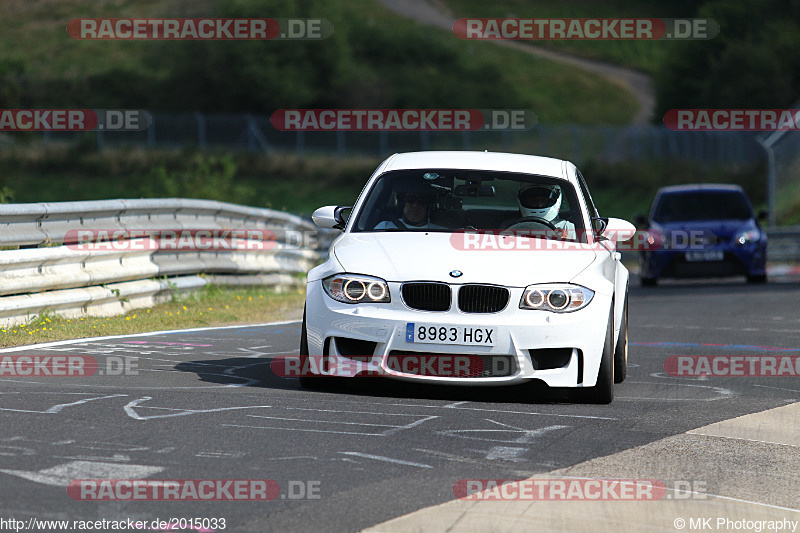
[463, 200]
[702, 205]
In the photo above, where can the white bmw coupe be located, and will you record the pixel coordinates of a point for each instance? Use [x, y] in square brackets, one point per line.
[471, 268]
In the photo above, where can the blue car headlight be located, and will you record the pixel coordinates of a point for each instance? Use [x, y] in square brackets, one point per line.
[356, 289]
[746, 237]
[556, 297]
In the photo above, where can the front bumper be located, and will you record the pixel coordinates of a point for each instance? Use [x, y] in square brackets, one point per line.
[749, 260]
[560, 349]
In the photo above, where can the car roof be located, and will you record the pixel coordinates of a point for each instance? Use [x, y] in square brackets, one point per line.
[466, 160]
[696, 187]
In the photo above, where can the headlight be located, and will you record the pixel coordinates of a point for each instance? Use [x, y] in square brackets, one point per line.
[356, 289]
[559, 298]
[746, 237]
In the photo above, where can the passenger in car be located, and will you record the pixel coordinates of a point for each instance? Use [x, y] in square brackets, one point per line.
[415, 209]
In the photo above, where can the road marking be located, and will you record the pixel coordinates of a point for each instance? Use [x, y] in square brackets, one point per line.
[409, 426]
[505, 453]
[301, 429]
[386, 459]
[131, 411]
[347, 412]
[57, 408]
[324, 421]
[146, 334]
[61, 475]
[220, 455]
[527, 435]
[532, 413]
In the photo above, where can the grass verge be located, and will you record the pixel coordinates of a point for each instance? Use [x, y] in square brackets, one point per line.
[212, 306]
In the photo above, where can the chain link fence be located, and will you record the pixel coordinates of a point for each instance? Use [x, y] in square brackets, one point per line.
[573, 142]
[783, 175]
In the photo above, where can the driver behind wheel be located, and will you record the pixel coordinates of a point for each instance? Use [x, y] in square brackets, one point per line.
[542, 202]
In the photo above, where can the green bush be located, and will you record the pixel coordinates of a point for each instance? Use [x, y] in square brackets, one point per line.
[753, 62]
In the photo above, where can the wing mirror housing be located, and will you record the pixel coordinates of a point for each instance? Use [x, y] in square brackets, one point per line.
[331, 217]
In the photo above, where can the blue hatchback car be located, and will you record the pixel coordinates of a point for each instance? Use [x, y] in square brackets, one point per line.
[706, 230]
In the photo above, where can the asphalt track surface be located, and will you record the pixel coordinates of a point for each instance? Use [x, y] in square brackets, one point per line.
[205, 405]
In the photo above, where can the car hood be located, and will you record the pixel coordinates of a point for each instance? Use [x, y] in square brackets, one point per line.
[406, 256]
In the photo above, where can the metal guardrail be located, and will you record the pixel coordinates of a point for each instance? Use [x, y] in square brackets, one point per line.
[52, 271]
[783, 244]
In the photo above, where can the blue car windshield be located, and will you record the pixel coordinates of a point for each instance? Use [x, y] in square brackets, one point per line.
[702, 205]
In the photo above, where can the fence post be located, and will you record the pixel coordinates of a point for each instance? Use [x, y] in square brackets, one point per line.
[151, 132]
[341, 147]
[201, 129]
[425, 140]
[383, 139]
[300, 143]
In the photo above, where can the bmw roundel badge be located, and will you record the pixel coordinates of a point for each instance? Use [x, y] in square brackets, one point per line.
[456, 273]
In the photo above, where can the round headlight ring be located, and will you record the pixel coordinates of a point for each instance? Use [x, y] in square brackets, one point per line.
[376, 291]
[536, 303]
[354, 290]
[553, 304]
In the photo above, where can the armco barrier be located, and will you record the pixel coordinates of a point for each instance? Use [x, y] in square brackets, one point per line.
[783, 244]
[45, 275]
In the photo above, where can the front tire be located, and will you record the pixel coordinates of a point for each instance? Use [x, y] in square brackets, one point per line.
[603, 391]
[621, 349]
[307, 381]
[649, 282]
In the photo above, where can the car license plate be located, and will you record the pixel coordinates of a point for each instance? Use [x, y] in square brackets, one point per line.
[711, 255]
[462, 335]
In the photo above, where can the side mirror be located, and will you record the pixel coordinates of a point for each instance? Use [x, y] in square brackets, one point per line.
[640, 221]
[618, 230]
[763, 215]
[330, 217]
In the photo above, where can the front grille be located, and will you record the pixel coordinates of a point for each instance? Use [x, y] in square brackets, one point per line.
[482, 298]
[679, 267]
[427, 296]
[451, 365]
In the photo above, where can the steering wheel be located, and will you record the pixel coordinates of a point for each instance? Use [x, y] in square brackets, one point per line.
[535, 220]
